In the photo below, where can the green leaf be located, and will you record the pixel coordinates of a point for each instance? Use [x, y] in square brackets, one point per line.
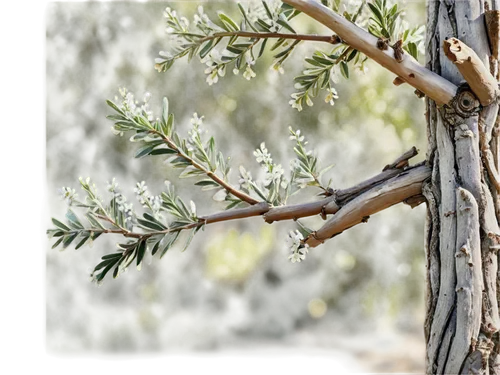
[73, 220]
[68, 239]
[110, 265]
[286, 25]
[163, 151]
[189, 239]
[146, 150]
[150, 225]
[84, 239]
[262, 48]
[169, 241]
[114, 106]
[344, 69]
[140, 252]
[233, 26]
[58, 224]
[412, 49]
[115, 256]
[57, 242]
[206, 48]
[165, 117]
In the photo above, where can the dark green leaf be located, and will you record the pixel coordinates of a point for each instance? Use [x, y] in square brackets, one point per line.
[68, 239]
[344, 69]
[140, 252]
[58, 224]
[150, 225]
[84, 239]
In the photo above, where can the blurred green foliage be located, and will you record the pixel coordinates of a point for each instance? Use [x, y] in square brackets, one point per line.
[368, 273]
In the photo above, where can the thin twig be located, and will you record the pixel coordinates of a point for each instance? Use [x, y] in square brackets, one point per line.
[332, 39]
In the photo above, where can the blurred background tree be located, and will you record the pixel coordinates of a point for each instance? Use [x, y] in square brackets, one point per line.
[234, 286]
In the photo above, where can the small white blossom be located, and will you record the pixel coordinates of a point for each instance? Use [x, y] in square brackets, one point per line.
[120, 199]
[296, 102]
[293, 240]
[245, 178]
[295, 135]
[278, 67]
[294, 164]
[274, 175]
[297, 257]
[112, 186]
[262, 155]
[197, 121]
[68, 195]
[141, 192]
[332, 94]
[249, 73]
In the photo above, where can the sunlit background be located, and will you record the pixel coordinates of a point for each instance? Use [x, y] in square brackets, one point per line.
[357, 299]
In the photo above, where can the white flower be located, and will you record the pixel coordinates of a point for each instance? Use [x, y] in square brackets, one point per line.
[147, 96]
[200, 17]
[120, 199]
[113, 187]
[273, 175]
[294, 165]
[249, 73]
[245, 178]
[169, 13]
[155, 203]
[197, 121]
[141, 188]
[360, 69]
[296, 135]
[332, 94]
[68, 195]
[262, 155]
[294, 239]
[212, 76]
[127, 208]
[278, 67]
[296, 102]
[297, 257]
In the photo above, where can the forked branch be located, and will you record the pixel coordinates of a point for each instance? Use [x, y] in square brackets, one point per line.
[409, 70]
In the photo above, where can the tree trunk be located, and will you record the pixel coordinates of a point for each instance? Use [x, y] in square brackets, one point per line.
[462, 232]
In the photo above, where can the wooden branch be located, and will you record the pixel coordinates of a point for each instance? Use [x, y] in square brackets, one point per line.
[409, 70]
[395, 190]
[478, 76]
[326, 206]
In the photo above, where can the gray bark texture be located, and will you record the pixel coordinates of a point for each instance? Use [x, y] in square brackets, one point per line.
[462, 231]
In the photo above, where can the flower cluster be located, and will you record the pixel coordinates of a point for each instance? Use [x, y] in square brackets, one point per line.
[153, 202]
[121, 202]
[296, 246]
[68, 195]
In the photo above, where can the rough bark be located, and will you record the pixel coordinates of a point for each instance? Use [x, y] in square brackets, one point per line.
[462, 233]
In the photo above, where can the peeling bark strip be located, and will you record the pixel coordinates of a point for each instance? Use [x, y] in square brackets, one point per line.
[434, 86]
[477, 75]
[395, 190]
[469, 280]
[492, 18]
